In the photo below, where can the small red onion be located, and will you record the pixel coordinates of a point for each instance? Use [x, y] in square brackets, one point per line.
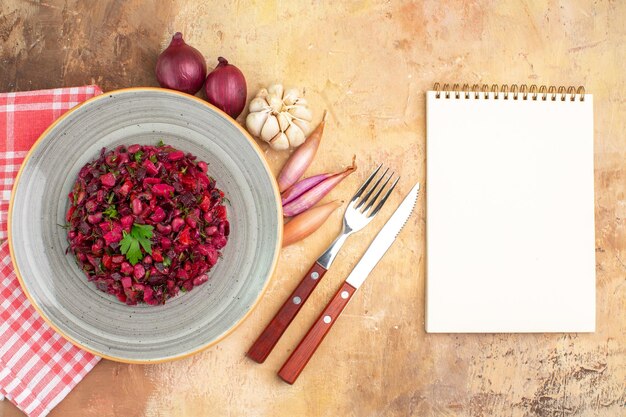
[181, 67]
[225, 88]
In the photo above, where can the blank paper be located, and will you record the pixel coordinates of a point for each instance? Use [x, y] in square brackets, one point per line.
[510, 214]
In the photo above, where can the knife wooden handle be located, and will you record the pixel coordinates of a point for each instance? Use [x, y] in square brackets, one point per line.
[264, 344]
[305, 350]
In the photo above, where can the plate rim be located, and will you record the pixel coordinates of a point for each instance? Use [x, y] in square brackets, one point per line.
[271, 274]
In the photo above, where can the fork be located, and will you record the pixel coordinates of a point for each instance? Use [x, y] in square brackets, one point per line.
[357, 215]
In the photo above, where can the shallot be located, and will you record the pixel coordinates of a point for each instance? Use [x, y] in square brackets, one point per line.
[300, 198]
[302, 157]
[301, 186]
[306, 223]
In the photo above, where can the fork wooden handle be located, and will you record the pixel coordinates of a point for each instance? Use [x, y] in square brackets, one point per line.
[307, 347]
[264, 344]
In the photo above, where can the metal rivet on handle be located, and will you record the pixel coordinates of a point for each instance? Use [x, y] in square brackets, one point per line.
[297, 300]
[327, 319]
[344, 294]
[315, 275]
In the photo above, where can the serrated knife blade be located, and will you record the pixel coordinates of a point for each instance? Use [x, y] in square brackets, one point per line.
[383, 240]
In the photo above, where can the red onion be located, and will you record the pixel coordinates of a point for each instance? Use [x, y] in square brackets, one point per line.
[181, 67]
[226, 89]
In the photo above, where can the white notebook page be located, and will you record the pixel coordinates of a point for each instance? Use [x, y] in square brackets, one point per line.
[510, 215]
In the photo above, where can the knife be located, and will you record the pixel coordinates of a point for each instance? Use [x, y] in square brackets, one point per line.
[377, 249]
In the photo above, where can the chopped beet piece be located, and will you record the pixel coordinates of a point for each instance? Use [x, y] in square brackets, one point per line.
[176, 155]
[177, 224]
[108, 180]
[162, 190]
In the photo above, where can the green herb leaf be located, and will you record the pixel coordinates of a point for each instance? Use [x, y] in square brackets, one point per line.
[145, 244]
[142, 230]
[111, 212]
[125, 243]
[153, 158]
[138, 156]
[143, 233]
[161, 144]
[134, 252]
[166, 261]
[139, 237]
[110, 197]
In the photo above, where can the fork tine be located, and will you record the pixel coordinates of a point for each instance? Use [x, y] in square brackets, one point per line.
[384, 199]
[373, 200]
[369, 193]
[365, 184]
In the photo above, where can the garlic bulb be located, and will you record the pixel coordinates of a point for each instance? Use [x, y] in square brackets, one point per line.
[280, 117]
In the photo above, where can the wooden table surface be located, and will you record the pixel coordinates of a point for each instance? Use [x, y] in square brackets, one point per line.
[369, 63]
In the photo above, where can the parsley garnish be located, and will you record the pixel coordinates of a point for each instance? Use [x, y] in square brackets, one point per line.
[139, 237]
[153, 158]
[161, 144]
[166, 261]
[138, 156]
[111, 212]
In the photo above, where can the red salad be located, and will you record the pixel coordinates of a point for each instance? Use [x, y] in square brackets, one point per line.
[146, 222]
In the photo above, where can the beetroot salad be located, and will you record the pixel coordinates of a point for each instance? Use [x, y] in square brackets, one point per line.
[146, 222]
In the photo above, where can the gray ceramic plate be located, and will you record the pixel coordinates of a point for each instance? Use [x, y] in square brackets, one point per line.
[189, 322]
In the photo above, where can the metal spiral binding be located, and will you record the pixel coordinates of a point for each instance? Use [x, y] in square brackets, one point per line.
[523, 92]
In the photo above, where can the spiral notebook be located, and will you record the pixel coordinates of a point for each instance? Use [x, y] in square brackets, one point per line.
[510, 210]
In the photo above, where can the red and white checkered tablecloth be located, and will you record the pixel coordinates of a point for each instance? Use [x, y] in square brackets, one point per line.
[38, 367]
